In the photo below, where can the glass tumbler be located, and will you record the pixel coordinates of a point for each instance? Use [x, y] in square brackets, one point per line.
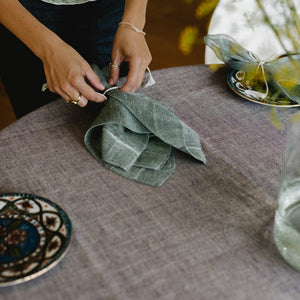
[287, 217]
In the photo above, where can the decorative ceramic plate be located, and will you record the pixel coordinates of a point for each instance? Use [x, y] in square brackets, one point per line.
[35, 234]
[242, 86]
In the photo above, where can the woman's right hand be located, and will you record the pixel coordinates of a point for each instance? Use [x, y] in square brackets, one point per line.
[65, 68]
[66, 71]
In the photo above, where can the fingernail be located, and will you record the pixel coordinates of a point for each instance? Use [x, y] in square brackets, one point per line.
[102, 96]
[111, 82]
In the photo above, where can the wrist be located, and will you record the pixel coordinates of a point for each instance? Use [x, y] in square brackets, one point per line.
[138, 23]
[133, 27]
[135, 13]
[47, 46]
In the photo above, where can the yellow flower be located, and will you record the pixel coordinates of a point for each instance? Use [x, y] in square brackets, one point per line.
[214, 67]
[287, 76]
[275, 120]
[295, 118]
[187, 39]
[205, 8]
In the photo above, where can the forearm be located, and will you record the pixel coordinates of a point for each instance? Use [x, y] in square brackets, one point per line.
[135, 12]
[27, 28]
[66, 71]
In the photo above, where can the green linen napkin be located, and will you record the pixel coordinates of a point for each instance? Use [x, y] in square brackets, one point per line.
[282, 72]
[134, 136]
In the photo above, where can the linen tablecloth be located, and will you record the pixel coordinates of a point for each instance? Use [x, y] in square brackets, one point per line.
[205, 234]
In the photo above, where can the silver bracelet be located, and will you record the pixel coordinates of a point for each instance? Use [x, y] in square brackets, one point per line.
[133, 27]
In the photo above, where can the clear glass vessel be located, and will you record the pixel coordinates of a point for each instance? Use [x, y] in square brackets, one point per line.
[287, 216]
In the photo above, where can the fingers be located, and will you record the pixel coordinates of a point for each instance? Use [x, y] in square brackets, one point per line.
[80, 101]
[89, 93]
[73, 85]
[94, 80]
[114, 72]
[135, 76]
[76, 97]
[66, 72]
[79, 89]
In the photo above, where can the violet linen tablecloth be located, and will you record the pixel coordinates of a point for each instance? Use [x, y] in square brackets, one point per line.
[134, 136]
[206, 233]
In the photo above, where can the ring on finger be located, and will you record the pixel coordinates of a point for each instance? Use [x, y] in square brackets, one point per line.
[74, 101]
[113, 66]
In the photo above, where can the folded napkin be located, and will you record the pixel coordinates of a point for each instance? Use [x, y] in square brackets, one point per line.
[282, 72]
[134, 135]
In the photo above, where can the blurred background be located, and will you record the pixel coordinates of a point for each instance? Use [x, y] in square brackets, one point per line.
[165, 21]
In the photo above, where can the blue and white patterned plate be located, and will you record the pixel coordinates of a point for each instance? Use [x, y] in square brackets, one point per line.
[237, 81]
[35, 234]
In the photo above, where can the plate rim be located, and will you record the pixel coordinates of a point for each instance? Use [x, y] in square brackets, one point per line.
[229, 82]
[52, 263]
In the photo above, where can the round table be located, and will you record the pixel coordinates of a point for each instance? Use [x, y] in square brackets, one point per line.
[205, 234]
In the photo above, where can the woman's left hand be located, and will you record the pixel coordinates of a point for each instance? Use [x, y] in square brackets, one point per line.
[132, 47]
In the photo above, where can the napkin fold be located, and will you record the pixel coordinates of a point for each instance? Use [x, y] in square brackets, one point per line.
[135, 136]
[282, 72]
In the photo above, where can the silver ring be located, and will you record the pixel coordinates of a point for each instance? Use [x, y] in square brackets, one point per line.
[113, 66]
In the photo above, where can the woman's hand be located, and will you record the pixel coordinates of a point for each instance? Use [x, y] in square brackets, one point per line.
[130, 46]
[66, 70]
